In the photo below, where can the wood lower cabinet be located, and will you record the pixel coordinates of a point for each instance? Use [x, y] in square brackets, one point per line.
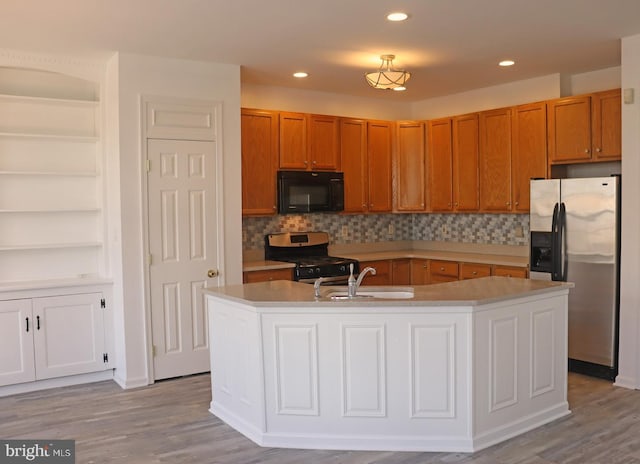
[419, 271]
[409, 167]
[401, 272]
[474, 270]
[443, 271]
[510, 271]
[43, 338]
[259, 161]
[249, 277]
[384, 272]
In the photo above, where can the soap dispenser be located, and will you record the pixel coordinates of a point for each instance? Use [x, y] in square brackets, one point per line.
[351, 282]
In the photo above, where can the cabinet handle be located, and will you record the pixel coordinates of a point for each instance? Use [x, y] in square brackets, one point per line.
[27, 324]
[475, 273]
[442, 268]
[38, 322]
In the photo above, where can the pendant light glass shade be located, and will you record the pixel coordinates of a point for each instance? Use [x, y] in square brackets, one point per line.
[386, 77]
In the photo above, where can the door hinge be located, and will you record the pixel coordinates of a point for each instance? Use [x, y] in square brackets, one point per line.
[105, 358]
[148, 165]
[103, 303]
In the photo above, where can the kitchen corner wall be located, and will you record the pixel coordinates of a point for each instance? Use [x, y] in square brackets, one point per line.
[492, 229]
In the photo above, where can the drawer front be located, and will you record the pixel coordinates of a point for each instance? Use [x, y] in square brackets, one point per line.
[510, 271]
[267, 275]
[444, 268]
[474, 271]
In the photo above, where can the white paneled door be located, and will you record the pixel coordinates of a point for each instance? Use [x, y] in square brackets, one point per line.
[183, 252]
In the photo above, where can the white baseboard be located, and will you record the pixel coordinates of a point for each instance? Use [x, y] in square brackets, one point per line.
[128, 383]
[57, 382]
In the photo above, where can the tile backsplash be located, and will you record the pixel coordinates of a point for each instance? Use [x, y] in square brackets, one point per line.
[493, 229]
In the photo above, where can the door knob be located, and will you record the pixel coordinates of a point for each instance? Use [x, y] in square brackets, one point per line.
[211, 273]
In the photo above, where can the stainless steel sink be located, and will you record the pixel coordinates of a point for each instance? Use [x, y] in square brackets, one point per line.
[388, 293]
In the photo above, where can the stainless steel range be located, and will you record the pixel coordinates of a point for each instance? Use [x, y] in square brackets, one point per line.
[310, 252]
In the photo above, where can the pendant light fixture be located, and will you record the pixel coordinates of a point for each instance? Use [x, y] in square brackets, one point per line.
[387, 77]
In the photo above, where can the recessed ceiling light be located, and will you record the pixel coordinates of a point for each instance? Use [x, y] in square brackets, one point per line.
[399, 89]
[300, 74]
[397, 16]
[507, 63]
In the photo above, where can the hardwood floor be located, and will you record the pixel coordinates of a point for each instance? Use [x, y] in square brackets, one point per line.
[169, 423]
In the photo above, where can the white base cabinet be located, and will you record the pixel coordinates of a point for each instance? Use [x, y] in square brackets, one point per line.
[42, 338]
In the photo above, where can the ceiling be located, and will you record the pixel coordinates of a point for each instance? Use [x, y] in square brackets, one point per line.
[449, 46]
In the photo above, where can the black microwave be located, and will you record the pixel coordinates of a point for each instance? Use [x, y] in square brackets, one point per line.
[310, 191]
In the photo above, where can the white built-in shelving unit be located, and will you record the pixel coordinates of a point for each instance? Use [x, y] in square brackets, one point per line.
[51, 205]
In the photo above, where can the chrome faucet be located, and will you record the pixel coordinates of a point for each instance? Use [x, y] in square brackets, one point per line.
[316, 286]
[353, 286]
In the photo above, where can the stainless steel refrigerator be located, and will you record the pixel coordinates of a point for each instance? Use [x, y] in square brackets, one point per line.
[575, 237]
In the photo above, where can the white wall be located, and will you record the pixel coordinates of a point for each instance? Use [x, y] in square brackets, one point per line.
[140, 76]
[304, 101]
[629, 368]
[602, 79]
[513, 93]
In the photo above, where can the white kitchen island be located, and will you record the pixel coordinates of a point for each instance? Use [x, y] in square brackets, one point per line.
[458, 367]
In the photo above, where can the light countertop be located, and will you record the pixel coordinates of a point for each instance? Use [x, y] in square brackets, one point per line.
[286, 294]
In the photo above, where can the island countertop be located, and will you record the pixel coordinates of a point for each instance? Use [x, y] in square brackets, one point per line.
[473, 292]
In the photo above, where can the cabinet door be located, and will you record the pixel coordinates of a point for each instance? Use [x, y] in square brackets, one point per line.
[440, 165]
[383, 272]
[474, 270]
[569, 129]
[16, 342]
[606, 136]
[419, 272]
[379, 148]
[323, 151]
[529, 151]
[266, 275]
[293, 141]
[495, 160]
[353, 158]
[259, 161]
[410, 167]
[401, 272]
[69, 335]
[465, 163]
[510, 271]
[443, 271]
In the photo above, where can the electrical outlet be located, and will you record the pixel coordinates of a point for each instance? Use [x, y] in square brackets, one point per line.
[345, 231]
[445, 229]
[519, 232]
[391, 229]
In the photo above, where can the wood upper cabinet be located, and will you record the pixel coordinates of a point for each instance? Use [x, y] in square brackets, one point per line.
[259, 161]
[440, 165]
[465, 163]
[309, 141]
[323, 142]
[495, 160]
[569, 129]
[409, 167]
[528, 151]
[585, 128]
[606, 125]
[293, 141]
[353, 158]
[379, 150]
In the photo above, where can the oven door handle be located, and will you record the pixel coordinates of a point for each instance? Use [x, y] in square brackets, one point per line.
[335, 280]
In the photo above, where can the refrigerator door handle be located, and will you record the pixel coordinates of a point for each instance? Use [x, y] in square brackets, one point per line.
[555, 244]
[562, 244]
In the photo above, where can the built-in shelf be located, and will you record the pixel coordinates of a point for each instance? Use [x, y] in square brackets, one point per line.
[50, 246]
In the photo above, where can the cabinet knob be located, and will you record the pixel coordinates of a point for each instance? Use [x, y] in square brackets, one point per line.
[586, 150]
[442, 268]
[598, 149]
[517, 203]
[364, 205]
[456, 204]
[306, 162]
[448, 204]
[313, 162]
[424, 266]
[211, 273]
[475, 273]
[508, 203]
